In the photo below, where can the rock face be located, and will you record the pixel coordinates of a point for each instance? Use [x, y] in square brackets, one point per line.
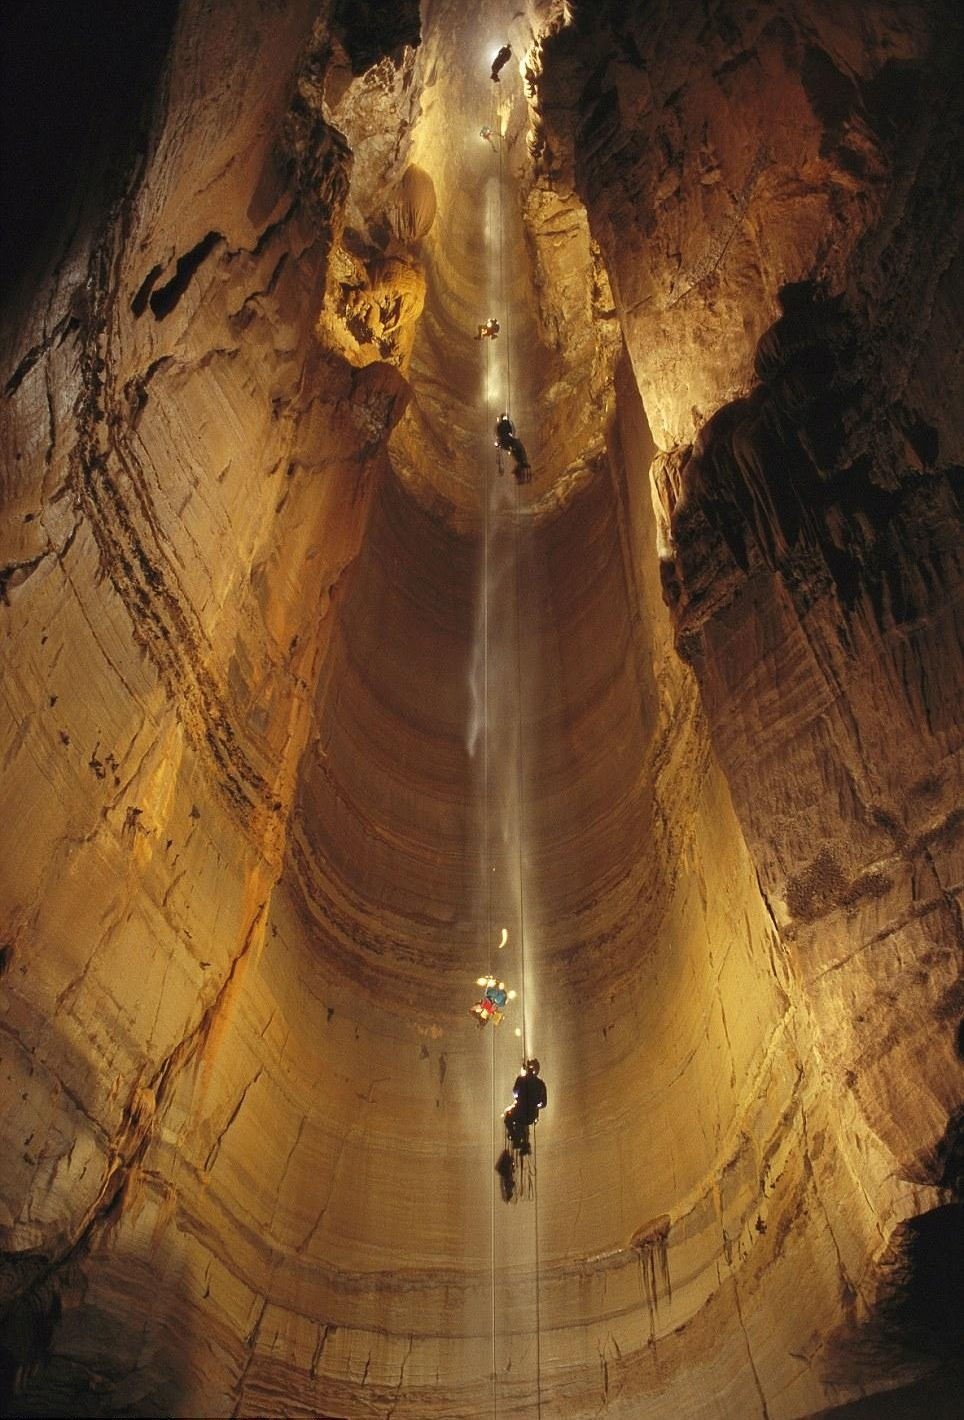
[305, 703]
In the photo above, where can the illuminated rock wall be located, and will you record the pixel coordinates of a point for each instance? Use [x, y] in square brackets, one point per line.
[249, 1126]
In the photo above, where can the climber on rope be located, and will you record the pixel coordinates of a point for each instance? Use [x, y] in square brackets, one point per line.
[486, 132]
[494, 1000]
[489, 329]
[500, 61]
[513, 1165]
[505, 1168]
[530, 1099]
[506, 438]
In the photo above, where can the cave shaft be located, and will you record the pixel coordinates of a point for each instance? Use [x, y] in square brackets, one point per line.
[306, 700]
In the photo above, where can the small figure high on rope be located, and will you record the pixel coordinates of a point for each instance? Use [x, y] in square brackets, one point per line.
[501, 60]
[489, 329]
[505, 438]
[486, 132]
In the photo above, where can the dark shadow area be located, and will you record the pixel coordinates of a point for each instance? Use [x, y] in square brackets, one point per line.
[64, 1354]
[166, 297]
[926, 1305]
[30, 1308]
[762, 465]
[370, 29]
[91, 1324]
[917, 1323]
[77, 87]
[949, 1157]
[936, 1397]
[779, 478]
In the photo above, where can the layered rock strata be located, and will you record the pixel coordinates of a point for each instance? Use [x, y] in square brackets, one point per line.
[304, 702]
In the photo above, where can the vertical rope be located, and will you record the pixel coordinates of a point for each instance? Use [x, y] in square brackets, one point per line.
[535, 1216]
[505, 311]
[495, 1143]
[486, 854]
[520, 777]
[520, 795]
[506, 319]
[485, 666]
[507, 405]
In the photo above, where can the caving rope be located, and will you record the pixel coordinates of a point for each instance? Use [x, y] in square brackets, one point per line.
[528, 1175]
[486, 866]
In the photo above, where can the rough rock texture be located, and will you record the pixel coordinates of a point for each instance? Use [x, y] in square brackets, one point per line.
[304, 702]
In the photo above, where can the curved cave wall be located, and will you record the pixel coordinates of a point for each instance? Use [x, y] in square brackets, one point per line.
[304, 702]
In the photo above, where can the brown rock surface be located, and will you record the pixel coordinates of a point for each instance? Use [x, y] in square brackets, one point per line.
[304, 703]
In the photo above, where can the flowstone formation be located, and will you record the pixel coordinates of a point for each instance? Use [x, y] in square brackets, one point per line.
[257, 560]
